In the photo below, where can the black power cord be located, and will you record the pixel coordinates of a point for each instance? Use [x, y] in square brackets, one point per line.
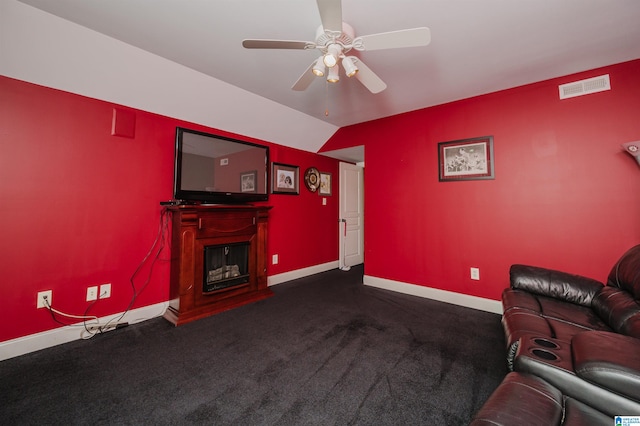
[157, 247]
[92, 329]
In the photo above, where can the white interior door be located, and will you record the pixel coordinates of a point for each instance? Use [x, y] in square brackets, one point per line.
[351, 223]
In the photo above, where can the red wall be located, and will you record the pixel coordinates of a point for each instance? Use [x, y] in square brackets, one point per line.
[81, 207]
[565, 195]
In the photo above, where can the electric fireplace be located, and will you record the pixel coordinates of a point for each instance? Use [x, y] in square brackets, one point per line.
[218, 259]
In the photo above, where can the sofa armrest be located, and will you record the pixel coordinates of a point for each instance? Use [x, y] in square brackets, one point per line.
[609, 360]
[557, 284]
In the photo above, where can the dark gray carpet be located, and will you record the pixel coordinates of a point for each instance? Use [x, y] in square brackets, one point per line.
[324, 350]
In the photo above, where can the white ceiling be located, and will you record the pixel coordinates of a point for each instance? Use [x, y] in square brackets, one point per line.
[477, 46]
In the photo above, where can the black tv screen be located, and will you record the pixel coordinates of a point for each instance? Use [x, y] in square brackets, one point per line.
[212, 169]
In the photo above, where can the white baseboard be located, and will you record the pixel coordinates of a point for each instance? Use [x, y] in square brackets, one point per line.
[47, 339]
[57, 336]
[301, 273]
[465, 300]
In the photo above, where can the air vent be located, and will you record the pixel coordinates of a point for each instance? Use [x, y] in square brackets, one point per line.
[585, 87]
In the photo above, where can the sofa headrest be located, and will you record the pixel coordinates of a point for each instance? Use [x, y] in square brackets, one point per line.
[625, 274]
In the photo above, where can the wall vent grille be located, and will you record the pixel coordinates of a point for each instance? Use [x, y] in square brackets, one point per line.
[585, 87]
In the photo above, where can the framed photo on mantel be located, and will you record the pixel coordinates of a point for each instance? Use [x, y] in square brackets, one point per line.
[466, 159]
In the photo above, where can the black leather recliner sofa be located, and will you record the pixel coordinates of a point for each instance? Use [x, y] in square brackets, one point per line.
[571, 340]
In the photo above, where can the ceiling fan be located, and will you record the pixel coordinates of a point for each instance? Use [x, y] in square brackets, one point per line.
[335, 39]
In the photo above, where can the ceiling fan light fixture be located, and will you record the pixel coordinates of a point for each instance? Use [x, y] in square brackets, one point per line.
[330, 58]
[350, 67]
[333, 76]
[319, 68]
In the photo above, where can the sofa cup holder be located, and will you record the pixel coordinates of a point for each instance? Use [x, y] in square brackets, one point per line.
[544, 354]
[545, 343]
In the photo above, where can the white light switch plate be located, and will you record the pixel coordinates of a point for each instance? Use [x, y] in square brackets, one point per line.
[475, 273]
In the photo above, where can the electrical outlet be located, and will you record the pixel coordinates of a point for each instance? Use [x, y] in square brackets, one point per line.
[475, 274]
[42, 296]
[274, 259]
[92, 293]
[105, 291]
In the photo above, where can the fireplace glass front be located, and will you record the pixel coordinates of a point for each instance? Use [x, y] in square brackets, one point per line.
[225, 266]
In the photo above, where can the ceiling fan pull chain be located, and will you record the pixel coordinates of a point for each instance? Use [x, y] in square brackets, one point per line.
[326, 99]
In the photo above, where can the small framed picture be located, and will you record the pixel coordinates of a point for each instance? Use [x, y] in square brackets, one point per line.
[325, 184]
[466, 159]
[248, 181]
[285, 179]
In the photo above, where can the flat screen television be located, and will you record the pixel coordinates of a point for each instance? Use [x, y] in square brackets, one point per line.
[212, 169]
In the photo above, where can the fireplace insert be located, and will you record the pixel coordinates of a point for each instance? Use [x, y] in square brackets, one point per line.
[225, 266]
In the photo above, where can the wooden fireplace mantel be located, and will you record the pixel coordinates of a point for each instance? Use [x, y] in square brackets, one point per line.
[197, 227]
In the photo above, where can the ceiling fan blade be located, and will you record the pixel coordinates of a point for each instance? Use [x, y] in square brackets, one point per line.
[368, 78]
[305, 79]
[331, 14]
[403, 38]
[277, 44]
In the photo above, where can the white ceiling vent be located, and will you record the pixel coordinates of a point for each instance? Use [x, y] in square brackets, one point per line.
[585, 87]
